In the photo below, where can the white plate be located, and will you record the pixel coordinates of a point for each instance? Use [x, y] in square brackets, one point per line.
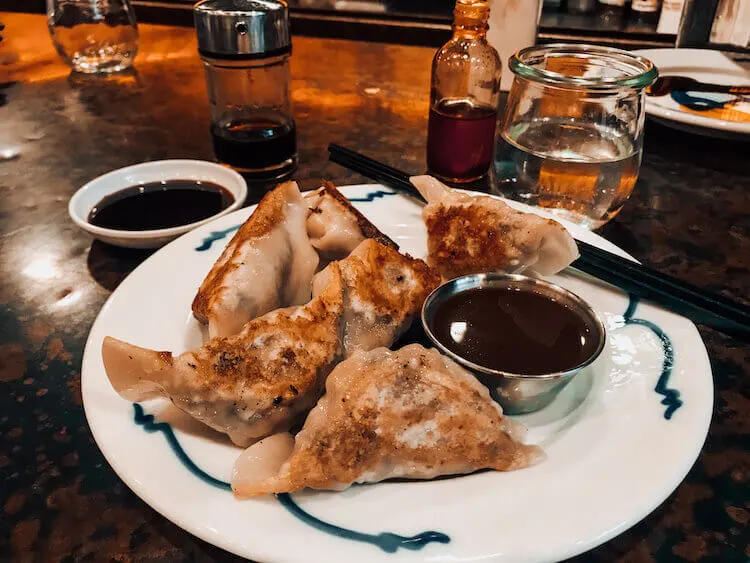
[618, 439]
[86, 198]
[706, 66]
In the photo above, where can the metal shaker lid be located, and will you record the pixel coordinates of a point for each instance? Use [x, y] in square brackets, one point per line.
[242, 28]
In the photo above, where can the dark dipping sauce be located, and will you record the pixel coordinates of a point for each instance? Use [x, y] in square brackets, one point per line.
[160, 205]
[511, 330]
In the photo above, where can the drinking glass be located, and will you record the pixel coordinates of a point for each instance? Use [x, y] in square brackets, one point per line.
[93, 35]
[572, 136]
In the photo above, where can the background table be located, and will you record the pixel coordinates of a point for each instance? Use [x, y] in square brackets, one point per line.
[59, 500]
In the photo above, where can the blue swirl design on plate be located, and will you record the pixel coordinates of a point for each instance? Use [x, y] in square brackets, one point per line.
[370, 197]
[671, 396]
[215, 236]
[704, 102]
[150, 425]
[386, 541]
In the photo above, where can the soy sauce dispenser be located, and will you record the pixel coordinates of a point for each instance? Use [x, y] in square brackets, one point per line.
[245, 47]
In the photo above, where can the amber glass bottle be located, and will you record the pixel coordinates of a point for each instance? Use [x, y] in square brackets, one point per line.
[464, 98]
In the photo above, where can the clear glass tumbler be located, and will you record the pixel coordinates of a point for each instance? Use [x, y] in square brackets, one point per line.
[572, 135]
[93, 35]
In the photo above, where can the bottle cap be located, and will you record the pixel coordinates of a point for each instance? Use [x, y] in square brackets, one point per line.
[471, 13]
[242, 29]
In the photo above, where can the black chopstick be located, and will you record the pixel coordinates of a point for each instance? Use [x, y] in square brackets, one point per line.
[373, 169]
[729, 307]
[690, 306]
[700, 305]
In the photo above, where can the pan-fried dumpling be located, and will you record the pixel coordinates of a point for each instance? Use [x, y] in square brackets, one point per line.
[260, 381]
[470, 234]
[263, 379]
[335, 227]
[270, 261]
[268, 264]
[407, 414]
[383, 291]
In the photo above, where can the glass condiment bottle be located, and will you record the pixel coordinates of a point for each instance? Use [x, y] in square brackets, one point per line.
[464, 98]
[245, 47]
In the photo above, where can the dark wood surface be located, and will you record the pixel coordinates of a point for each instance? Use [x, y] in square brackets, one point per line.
[59, 499]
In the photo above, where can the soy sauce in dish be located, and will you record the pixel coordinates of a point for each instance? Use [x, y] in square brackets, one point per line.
[511, 330]
[160, 205]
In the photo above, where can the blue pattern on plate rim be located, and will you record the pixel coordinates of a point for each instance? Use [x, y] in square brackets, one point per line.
[215, 236]
[671, 396]
[370, 197]
[387, 541]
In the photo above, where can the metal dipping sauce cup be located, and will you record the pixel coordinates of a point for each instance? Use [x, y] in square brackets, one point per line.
[517, 393]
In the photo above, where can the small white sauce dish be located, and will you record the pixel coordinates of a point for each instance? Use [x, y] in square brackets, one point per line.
[86, 198]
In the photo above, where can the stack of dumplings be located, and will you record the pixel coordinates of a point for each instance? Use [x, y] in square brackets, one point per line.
[306, 299]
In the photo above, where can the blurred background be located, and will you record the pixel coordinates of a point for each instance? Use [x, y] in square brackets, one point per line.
[624, 23]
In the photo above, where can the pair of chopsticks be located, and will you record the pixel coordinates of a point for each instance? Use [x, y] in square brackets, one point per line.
[699, 305]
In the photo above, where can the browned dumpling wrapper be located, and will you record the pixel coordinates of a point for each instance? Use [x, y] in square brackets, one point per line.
[412, 413]
[271, 259]
[249, 385]
[383, 291]
[263, 379]
[336, 227]
[268, 264]
[472, 233]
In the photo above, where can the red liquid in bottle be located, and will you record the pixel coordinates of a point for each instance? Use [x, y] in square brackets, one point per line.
[460, 140]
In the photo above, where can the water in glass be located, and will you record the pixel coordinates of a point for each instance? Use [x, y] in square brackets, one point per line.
[93, 35]
[583, 172]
